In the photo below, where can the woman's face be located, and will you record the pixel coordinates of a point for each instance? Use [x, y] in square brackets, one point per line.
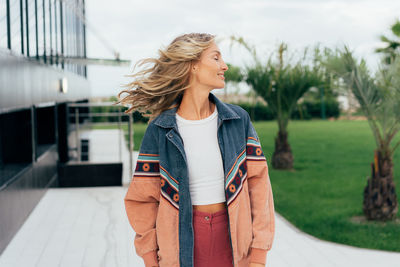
[209, 70]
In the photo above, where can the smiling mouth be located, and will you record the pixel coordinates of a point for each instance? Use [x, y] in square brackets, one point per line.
[221, 76]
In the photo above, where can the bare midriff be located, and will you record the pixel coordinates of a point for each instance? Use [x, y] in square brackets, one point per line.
[210, 207]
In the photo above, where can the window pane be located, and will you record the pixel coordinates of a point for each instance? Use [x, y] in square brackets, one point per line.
[52, 35]
[66, 34]
[32, 28]
[40, 28]
[23, 28]
[3, 24]
[15, 26]
[47, 34]
[56, 31]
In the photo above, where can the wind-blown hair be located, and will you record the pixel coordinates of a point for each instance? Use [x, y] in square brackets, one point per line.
[161, 86]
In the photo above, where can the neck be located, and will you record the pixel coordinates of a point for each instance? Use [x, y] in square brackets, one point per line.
[195, 105]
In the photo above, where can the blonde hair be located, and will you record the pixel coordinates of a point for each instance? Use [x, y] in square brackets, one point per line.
[161, 86]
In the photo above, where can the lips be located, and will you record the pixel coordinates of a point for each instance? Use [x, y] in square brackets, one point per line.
[222, 76]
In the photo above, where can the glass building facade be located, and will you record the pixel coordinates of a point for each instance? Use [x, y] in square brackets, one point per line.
[49, 31]
[38, 81]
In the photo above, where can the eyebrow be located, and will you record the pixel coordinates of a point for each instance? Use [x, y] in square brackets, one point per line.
[219, 53]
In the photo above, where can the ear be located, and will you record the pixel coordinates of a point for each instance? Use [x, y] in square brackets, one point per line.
[194, 67]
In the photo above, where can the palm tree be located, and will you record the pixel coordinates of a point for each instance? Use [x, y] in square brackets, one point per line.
[393, 46]
[281, 85]
[379, 99]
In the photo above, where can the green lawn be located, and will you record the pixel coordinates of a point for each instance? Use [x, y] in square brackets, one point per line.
[332, 162]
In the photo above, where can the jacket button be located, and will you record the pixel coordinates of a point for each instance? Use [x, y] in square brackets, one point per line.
[170, 135]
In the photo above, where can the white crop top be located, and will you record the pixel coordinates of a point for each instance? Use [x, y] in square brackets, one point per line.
[206, 172]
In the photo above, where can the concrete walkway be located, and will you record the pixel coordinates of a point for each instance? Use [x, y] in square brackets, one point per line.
[88, 227]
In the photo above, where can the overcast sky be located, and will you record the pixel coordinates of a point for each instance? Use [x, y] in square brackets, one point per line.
[137, 29]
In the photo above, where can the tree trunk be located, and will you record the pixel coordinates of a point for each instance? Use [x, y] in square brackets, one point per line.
[282, 157]
[380, 200]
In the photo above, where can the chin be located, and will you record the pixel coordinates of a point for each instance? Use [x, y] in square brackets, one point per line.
[217, 85]
[220, 86]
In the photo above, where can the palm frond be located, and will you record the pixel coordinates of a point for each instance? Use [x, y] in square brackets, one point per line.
[396, 28]
[379, 96]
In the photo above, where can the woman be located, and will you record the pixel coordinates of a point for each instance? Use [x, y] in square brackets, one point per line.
[201, 194]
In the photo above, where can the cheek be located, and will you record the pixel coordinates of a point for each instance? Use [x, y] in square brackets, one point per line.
[208, 74]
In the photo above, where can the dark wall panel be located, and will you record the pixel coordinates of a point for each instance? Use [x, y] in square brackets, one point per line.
[79, 174]
[46, 125]
[16, 137]
[62, 132]
[19, 198]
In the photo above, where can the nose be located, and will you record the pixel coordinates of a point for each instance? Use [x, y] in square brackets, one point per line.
[224, 66]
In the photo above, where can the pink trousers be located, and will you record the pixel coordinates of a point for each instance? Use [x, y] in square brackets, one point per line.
[212, 247]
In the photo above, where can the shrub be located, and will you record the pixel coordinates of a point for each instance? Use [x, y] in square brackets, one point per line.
[304, 111]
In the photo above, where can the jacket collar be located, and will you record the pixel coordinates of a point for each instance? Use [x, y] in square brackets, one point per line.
[167, 118]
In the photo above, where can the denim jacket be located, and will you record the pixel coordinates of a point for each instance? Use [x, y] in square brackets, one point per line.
[158, 203]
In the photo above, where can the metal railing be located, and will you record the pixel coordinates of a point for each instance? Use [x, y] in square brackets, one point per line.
[85, 120]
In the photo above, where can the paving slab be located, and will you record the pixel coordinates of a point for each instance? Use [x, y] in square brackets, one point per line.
[88, 227]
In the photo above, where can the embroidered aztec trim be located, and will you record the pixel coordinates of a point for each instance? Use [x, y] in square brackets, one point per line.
[254, 150]
[236, 177]
[169, 188]
[147, 165]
